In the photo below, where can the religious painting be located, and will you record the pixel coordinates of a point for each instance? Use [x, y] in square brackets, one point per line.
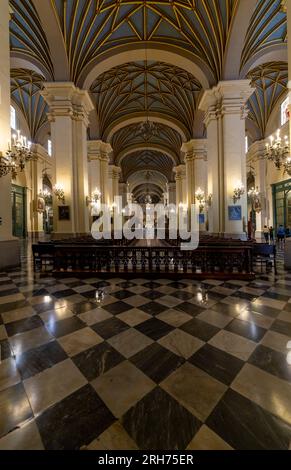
[64, 212]
[234, 213]
[40, 205]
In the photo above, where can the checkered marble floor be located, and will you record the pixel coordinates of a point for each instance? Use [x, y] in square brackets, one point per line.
[157, 365]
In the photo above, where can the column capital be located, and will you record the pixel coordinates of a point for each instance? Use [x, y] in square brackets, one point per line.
[180, 171]
[227, 97]
[41, 153]
[114, 172]
[195, 149]
[98, 150]
[256, 150]
[65, 99]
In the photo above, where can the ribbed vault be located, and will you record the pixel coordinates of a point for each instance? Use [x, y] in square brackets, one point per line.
[25, 88]
[130, 137]
[91, 28]
[147, 160]
[144, 87]
[27, 38]
[270, 82]
[268, 28]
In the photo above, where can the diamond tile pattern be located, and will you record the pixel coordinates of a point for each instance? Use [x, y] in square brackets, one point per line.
[153, 357]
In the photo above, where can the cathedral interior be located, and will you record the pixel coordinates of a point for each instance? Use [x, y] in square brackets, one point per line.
[148, 341]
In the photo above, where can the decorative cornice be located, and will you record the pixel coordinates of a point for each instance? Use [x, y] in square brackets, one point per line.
[195, 149]
[65, 99]
[98, 150]
[180, 172]
[227, 97]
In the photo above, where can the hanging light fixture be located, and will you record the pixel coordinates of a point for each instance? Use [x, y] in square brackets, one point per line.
[18, 153]
[254, 197]
[287, 166]
[147, 129]
[277, 151]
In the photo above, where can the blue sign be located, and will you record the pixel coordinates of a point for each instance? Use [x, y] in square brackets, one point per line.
[234, 213]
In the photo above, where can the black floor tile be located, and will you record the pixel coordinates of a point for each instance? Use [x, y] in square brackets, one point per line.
[97, 360]
[117, 307]
[246, 426]
[246, 329]
[159, 422]
[110, 327]
[271, 361]
[182, 295]
[153, 294]
[153, 308]
[82, 307]
[75, 421]
[26, 324]
[157, 362]
[122, 294]
[13, 305]
[154, 328]
[65, 327]
[36, 360]
[200, 329]
[14, 408]
[282, 327]
[189, 308]
[219, 364]
[5, 349]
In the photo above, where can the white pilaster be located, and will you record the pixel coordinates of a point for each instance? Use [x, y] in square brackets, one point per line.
[98, 156]
[180, 176]
[69, 108]
[225, 113]
[9, 246]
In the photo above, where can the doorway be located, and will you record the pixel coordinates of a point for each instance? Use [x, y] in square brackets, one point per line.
[282, 204]
[18, 196]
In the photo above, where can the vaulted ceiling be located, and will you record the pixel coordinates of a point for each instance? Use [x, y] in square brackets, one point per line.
[69, 39]
[147, 160]
[270, 82]
[90, 28]
[146, 87]
[129, 137]
[25, 88]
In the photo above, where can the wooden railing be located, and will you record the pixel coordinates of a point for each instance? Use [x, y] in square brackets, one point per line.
[212, 260]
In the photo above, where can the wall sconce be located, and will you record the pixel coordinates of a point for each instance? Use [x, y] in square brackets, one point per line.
[95, 197]
[59, 192]
[254, 197]
[238, 192]
[200, 196]
[209, 200]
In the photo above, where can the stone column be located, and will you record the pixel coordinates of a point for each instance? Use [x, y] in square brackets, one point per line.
[114, 172]
[225, 112]
[123, 193]
[196, 167]
[69, 108]
[37, 166]
[98, 155]
[180, 177]
[9, 246]
[257, 160]
[172, 193]
[286, 6]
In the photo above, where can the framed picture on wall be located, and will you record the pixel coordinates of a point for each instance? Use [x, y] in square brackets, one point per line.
[201, 219]
[234, 213]
[64, 212]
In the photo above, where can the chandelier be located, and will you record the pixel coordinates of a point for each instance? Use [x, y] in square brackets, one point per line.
[46, 195]
[147, 130]
[287, 166]
[277, 151]
[18, 153]
[255, 199]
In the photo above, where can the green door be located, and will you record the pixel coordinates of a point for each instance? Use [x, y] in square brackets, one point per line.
[18, 196]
